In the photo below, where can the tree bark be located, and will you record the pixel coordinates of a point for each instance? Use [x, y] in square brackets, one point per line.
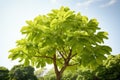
[66, 63]
[58, 75]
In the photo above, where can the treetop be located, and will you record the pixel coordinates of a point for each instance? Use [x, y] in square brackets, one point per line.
[63, 33]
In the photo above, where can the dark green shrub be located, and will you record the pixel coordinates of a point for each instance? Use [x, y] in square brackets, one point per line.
[4, 73]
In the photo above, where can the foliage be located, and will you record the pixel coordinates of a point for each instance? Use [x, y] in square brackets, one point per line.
[62, 38]
[110, 69]
[50, 75]
[40, 72]
[85, 75]
[4, 73]
[20, 72]
[71, 75]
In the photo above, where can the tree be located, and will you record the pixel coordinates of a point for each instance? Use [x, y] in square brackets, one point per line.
[110, 70]
[50, 75]
[4, 73]
[21, 72]
[78, 74]
[62, 38]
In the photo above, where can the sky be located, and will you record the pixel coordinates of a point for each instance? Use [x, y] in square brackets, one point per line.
[14, 13]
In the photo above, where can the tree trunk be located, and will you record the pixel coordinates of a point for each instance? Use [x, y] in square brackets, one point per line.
[66, 63]
[57, 72]
[58, 76]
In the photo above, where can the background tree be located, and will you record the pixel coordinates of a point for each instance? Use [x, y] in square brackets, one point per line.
[62, 38]
[78, 74]
[50, 75]
[110, 70]
[4, 73]
[20, 72]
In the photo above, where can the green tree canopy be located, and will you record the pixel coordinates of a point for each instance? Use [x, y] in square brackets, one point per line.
[62, 38]
[4, 73]
[21, 72]
[110, 70]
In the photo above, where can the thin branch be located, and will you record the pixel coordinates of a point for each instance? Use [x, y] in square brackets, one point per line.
[66, 62]
[63, 68]
[64, 52]
[44, 57]
[74, 55]
[69, 56]
[62, 55]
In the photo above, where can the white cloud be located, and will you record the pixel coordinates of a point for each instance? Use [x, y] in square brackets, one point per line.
[86, 3]
[111, 2]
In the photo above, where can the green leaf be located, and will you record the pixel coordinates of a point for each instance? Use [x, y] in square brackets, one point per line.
[68, 14]
[29, 22]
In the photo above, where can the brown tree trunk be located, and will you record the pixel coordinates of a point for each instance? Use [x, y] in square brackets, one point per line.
[58, 74]
[66, 63]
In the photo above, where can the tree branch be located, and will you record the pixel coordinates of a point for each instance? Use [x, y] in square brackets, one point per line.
[44, 57]
[62, 55]
[74, 55]
[64, 52]
[63, 68]
[69, 56]
[55, 65]
[66, 63]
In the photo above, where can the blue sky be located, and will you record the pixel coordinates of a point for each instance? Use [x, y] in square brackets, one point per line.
[14, 13]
